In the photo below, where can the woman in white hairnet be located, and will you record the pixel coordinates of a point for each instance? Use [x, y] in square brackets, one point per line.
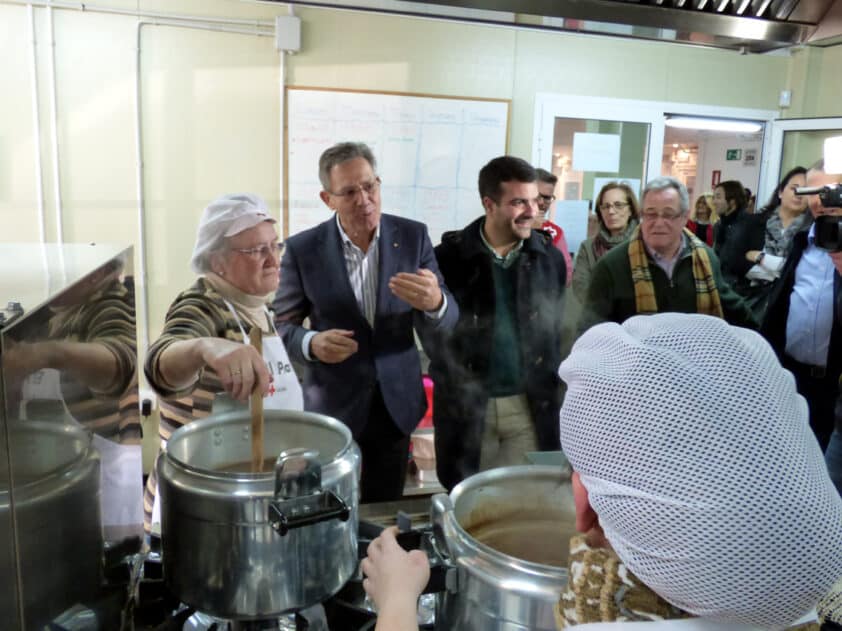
[699, 485]
[205, 348]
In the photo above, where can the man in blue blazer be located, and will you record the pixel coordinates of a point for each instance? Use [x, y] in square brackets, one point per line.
[365, 280]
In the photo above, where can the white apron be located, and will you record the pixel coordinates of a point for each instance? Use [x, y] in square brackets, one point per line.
[121, 466]
[284, 392]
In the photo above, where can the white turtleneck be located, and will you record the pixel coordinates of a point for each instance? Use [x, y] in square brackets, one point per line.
[251, 306]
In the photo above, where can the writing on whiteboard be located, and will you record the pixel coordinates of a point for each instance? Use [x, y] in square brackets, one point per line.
[429, 152]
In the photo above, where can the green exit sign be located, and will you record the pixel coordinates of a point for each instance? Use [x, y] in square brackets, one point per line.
[733, 154]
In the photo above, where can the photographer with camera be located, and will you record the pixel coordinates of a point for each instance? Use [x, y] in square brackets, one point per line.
[804, 318]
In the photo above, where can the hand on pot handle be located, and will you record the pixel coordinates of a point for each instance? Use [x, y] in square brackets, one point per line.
[394, 580]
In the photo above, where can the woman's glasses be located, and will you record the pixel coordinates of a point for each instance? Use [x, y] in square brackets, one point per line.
[261, 252]
[616, 206]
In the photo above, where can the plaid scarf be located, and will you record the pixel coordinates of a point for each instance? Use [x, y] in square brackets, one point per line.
[600, 588]
[707, 295]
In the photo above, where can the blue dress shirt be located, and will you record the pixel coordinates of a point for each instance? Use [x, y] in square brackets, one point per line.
[810, 319]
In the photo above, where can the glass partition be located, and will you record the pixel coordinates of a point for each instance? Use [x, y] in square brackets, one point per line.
[71, 428]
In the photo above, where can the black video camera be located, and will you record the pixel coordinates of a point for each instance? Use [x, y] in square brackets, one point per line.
[828, 227]
[830, 195]
[829, 233]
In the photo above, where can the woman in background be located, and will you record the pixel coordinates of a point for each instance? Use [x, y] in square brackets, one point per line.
[786, 214]
[617, 212]
[702, 219]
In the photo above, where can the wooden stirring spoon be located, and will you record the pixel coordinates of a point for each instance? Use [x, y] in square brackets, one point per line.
[256, 339]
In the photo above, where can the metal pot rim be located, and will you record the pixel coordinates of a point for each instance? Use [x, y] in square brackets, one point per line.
[503, 473]
[65, 432]
[233, 417]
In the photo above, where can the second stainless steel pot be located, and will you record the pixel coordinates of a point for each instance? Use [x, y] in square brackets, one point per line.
[240, 545]
[53, 496]
[490, 590]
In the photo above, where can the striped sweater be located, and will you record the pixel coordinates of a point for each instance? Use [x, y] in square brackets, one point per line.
[200, 311]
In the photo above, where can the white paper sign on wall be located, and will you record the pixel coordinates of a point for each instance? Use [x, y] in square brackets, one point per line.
[596, 152]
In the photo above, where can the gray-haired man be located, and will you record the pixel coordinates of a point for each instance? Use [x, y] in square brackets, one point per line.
[365, 280]
[663, 267]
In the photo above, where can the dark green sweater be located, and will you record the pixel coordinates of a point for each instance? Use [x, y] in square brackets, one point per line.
[504, 371]
[611, 292]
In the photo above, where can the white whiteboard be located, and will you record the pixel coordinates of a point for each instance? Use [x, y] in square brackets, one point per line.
[429, 151]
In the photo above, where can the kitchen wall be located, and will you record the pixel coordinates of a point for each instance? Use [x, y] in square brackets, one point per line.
[712, 156]
[211, 113]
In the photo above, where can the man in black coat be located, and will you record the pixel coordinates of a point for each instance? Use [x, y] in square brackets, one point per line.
[804, 319]
[497, 393]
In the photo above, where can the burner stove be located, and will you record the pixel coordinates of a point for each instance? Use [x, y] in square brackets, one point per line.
[156, 609]
[312, 619]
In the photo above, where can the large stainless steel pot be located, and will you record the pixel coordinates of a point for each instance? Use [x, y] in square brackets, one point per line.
[54, 493]
[243, 546]
[527, 511]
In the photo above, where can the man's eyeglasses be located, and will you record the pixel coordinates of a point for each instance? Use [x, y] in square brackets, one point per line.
[617, 206]
[350, 192]
[650, 214]
[547, 199]
[261, 252]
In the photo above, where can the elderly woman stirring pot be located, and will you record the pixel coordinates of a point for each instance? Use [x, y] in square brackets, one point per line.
[204, 348]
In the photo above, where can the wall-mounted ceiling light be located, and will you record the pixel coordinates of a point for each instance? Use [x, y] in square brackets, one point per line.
[713, 124]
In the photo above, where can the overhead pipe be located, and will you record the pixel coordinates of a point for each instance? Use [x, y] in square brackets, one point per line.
[36, 129]
[151, 15]
[62, 280]
[54, 134]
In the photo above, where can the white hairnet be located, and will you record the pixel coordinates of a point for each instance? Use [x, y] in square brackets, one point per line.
[224, 217]
[698, 459]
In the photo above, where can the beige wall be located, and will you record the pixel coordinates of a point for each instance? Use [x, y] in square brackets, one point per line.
[211, 107]
[814, 79]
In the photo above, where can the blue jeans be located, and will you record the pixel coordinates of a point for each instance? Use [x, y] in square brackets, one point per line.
[833, 458]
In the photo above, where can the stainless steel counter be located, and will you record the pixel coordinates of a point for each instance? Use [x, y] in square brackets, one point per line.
[385, 513]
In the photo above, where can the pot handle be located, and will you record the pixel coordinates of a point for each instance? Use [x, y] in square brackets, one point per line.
[299, 499]
[445, 575]
[297, 512]
[440, 506]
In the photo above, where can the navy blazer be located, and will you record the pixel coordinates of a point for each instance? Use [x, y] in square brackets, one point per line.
[314, 284]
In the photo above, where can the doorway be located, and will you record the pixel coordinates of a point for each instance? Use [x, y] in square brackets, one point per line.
[701, 158]
[641, 119]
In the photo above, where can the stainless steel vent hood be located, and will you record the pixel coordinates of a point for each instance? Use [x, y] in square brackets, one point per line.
[748, 25]
[755, 26]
